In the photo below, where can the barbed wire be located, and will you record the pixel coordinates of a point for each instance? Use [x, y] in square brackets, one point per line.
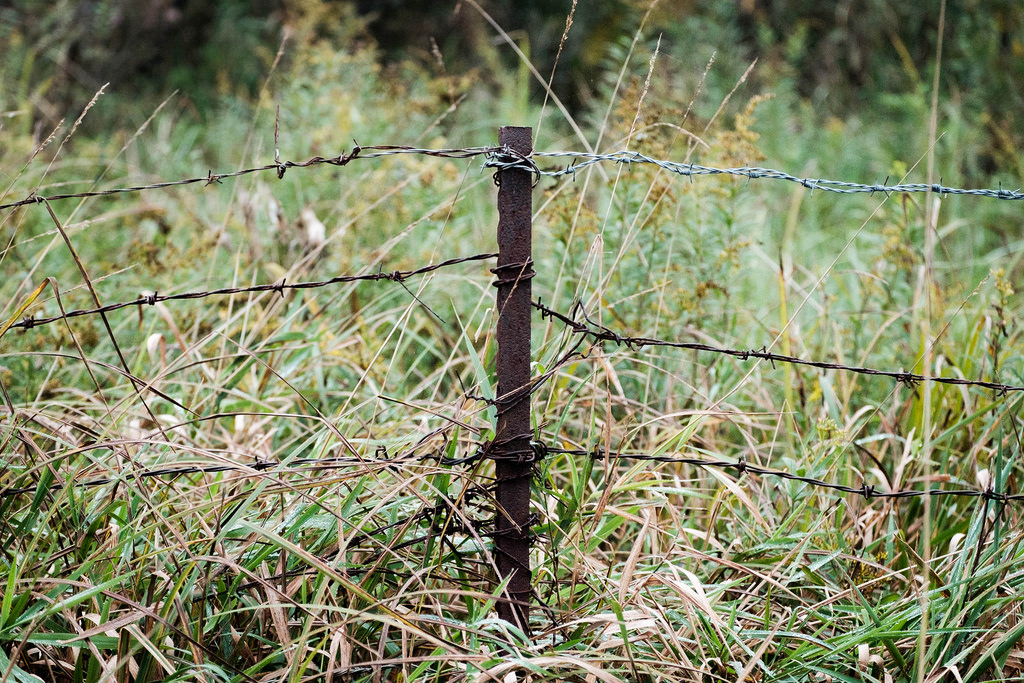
[742, 466]
[502, 158]
[381, 458]
[505, 159]
[358, 152]
[601, 334]
[280, 287]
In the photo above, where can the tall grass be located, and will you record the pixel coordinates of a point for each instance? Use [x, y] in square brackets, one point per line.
[364, 553]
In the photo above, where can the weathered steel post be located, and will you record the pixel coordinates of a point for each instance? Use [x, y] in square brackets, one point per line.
[511, 449]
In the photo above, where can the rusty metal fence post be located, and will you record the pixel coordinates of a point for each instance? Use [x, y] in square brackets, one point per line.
[511, 448]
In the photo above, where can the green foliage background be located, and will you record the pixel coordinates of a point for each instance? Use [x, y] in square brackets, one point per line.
[844, 57]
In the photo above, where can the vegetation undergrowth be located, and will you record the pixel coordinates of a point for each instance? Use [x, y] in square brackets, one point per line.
[287, 486]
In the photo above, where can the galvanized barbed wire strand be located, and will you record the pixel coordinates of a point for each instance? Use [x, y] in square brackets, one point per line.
[358, 152]
[280, 287]
[600, 333]
[501, 159]
[867, 491]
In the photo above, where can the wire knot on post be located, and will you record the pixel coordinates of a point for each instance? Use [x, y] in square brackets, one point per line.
[504, 450]
[508, 159]
[513, 273]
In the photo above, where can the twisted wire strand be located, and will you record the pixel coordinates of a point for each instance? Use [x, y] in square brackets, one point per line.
[211, 178]
[381, 458]
[741, 466]
[600, 333]
[581, 160]
[279, 287]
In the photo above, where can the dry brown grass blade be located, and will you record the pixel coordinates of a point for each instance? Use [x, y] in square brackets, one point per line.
[339, 653]
[112, 625]
[278, 618]
[634, 557]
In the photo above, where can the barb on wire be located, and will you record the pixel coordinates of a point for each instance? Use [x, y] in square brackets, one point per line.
[154, 298]
[581, 160]
[601, 334]
[742, 466]
[279, 167]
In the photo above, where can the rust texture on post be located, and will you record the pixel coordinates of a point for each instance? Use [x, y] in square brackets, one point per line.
[511, 449]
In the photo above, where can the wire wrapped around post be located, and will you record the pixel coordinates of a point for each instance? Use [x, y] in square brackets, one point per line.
[511, 449]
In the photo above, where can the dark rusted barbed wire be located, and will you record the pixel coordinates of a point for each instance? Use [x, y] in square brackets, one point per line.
[581, 160]
[742, 466]
[280, 287]
[381, 459]
[279, 167]
[541, 451]
[601, 334]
